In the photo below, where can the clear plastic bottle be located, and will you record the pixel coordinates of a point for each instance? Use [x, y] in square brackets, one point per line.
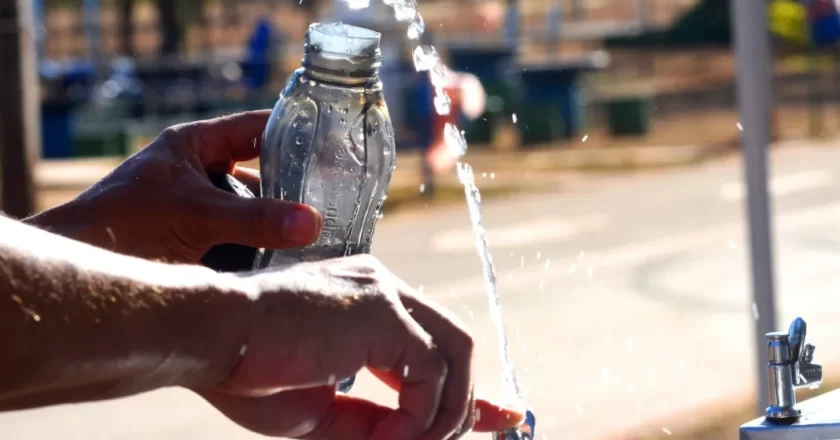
[330, 142]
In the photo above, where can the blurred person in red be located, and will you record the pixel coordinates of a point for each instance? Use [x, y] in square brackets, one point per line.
[467, 101]
[102, 297]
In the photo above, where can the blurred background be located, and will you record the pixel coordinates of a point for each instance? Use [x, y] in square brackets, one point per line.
[606, 139]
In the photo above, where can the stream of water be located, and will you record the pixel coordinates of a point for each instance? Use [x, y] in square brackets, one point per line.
[427, 59]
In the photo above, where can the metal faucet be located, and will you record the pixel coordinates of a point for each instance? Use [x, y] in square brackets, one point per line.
[525, 431]
[790, 367]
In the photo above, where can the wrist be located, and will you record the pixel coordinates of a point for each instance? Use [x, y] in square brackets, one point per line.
[70, 220]
[214, 326]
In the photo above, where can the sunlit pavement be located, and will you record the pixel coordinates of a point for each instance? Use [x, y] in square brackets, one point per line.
[627, 303]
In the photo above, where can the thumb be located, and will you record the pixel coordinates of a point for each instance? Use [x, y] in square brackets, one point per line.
[261, 222]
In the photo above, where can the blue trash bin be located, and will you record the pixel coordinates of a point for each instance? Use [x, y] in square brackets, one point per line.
[56, 130]
[494, 65]
[558, 87]
[826, 29]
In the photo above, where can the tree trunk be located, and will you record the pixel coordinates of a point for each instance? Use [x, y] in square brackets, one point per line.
[20, 114]
[169, 27]
[127, 30]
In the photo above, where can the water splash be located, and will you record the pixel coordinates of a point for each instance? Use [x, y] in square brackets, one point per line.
[427, 59]
[454, 140]
[467, 178]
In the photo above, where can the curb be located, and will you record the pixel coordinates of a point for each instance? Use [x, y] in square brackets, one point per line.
[82, 173]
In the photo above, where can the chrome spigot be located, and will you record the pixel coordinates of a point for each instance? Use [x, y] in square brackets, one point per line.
[525, 431]
[790, 367]
[346, 385]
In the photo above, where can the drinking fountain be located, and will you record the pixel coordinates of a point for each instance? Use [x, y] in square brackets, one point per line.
[790, 367]
[526, 431]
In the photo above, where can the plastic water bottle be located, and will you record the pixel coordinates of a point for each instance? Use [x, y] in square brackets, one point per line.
[330, 143]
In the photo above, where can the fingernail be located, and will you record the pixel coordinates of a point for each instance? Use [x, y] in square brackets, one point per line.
[516, 414]
[303, 225]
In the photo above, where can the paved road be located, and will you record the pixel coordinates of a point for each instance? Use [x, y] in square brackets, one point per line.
[627, 301]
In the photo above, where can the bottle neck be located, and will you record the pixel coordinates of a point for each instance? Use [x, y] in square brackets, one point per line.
[342, 71]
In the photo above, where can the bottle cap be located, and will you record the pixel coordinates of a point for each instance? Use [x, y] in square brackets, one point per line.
[342, 50]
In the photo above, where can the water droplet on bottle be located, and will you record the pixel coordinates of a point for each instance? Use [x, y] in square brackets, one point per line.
[425, 57]
[299, 140]
[417, 27]
[455, 142]
[329, 108]
[344, 111]
[342, 121]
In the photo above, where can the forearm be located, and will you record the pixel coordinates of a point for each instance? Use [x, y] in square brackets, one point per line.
[79, 323]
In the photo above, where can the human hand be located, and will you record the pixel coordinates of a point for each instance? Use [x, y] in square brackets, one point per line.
[159, 204]
[315, 323]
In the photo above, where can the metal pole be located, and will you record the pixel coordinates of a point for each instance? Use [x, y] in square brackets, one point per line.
[19, 114]
[753, 59]
[40, 15]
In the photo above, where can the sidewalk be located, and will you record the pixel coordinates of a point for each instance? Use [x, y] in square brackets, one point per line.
[523, 170]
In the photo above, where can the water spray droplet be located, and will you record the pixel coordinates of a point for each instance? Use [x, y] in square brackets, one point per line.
[404, 11]
[443, 104]
[416, 28]
[356, 4]
[425, 57]
[469, 312]
[740, 127]
[455, 142]
[439, 73]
